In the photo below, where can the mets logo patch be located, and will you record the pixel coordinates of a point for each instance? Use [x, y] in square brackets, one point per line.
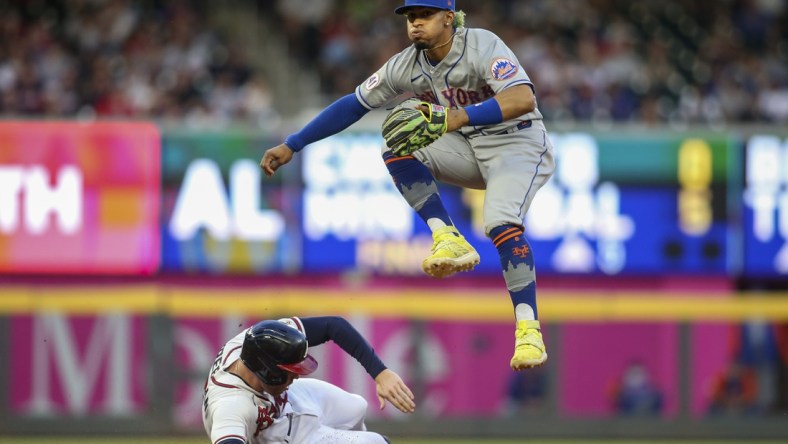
[373, 81]
[502, 69]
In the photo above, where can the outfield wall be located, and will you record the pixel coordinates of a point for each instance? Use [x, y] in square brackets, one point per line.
[130, 252]
[98, 358]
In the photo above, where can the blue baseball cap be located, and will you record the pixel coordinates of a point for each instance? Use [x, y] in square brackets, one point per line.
[437, 4]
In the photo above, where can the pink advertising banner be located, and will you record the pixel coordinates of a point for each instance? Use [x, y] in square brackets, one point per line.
[465, 366]
[456, 358]
[78, 365]
[98, 365]
[602, 361]
[79, 198]
[640, 360]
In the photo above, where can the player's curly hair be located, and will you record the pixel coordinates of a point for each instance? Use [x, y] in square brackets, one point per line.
[459, 19]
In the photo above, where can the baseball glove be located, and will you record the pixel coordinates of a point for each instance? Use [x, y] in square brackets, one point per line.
[407, 128]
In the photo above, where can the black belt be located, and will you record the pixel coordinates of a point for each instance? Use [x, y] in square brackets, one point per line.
[512, 129]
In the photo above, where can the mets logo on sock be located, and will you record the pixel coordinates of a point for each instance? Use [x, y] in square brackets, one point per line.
[502, 69]
[520, 251]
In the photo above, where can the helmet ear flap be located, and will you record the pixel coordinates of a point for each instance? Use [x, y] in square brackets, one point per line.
[265, 371]
[271, 349]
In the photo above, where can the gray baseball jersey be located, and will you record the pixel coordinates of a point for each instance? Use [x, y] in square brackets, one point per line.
[511, 160]
[478, 66]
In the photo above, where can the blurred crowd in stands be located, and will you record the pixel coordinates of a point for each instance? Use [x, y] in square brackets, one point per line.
[598, 61]
[677, 61]
[123, 59]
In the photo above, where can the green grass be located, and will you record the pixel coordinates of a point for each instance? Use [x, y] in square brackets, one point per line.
[201, 440]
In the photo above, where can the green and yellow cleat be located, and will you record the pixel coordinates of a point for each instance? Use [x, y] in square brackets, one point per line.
[529, 349]
[451, 253]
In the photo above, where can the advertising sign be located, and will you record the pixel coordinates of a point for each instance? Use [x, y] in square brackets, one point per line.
[765, 207]
[219, 216]
[79, 198]
[615, 206]
[96, 365]
[78, 365]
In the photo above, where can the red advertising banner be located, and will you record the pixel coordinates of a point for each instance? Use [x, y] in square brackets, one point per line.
[79, 198]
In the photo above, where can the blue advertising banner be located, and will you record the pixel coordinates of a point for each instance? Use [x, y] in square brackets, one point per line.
[218, 215]
[616, 205]
[765, 207]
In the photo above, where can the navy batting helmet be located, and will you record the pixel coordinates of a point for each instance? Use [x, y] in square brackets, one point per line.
[271, 349]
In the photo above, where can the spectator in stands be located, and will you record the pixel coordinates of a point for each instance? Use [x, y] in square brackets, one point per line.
[526, 392]
[651, 62]
[734, 392]
[118, 58]
[757, 348]
[670, 61]
[635, 394]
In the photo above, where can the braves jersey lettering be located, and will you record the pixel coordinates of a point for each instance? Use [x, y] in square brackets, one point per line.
[217, 363]
[265, 417]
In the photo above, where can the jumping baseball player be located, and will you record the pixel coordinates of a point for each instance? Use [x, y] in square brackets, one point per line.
[253, 393]
[476, 126]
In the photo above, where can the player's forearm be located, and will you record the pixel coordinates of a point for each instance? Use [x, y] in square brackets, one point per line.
[324, 328]
[507, 104]
[516, 101]
[335, 118]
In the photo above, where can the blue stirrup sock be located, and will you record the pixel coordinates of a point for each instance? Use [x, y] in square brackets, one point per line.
[416, 184]
[517, 263]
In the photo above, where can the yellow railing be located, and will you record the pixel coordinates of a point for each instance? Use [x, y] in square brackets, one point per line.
[472, 305]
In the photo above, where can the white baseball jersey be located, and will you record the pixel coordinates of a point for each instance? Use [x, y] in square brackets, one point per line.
[310, 411]
[232, 409]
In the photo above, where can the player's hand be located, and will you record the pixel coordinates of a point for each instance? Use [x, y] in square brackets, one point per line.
[391, 388]
[412, 125]
[455, 118]
[274, 158]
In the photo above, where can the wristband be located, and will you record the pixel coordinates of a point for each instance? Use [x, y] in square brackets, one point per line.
[484, 113]
[292, 141]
